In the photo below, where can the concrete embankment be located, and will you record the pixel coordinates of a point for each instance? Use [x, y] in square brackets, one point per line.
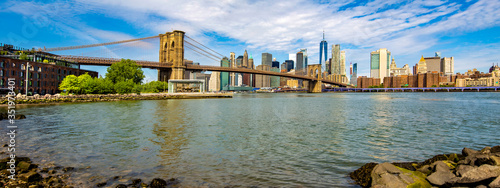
[471, 168]
[47, 99]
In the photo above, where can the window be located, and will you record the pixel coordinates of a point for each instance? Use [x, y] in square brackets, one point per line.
[1, 64]
[1, 82]
[21, 83]
[29, 83]
[1, 72]
[38, 76]
[23, 67]
[13, 65]
[21, 74]
[58, 77]
[64, 71]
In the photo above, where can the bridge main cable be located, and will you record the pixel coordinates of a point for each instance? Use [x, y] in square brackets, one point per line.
[94, 45]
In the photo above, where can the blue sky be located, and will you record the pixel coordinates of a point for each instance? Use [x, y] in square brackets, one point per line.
[467, 30]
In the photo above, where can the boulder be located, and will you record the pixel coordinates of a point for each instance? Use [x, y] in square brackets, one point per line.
[362, 176]
[441, 177]
[495, 183]
[158, 183]
[481, 173]
[387, 175]
[440, 166]
[461, 169]
[495, 149]
[31, 177]
[426, 169]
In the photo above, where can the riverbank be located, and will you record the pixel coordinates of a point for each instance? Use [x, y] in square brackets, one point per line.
[28, 174]
[471, 168]
[50, 99]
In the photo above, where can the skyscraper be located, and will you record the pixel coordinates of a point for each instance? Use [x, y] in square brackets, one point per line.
[245, 59]
[239, 61]
[335, 64]
[354, 74]
[267, 59]
[250, 62]
[342, 63]
[275, 63]
[233, 65]
[305, 58]
[323, 50]
[289, 65]
[379, 61]
[299, 65]
[224, 76]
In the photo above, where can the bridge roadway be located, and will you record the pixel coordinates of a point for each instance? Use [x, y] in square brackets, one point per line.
[98, 61]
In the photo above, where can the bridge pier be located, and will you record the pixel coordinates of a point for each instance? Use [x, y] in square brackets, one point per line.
[172, 51]
[315, 86]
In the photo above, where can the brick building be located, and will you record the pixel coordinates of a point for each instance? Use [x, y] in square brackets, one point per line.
[43, 78]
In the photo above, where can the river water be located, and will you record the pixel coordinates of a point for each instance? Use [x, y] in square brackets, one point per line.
[286, 140]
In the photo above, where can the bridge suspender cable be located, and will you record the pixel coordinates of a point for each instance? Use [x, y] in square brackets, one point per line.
[217, 57]
[217, 60]
[94, 45]
[204, 46]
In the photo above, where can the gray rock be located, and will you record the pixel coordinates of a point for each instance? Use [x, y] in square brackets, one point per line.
[481, 173]
[440, 166]
[495, 149]
[461, 169]
[426, 169]
[387, 175]
[495, 183]
[442, 177]
[467, 151]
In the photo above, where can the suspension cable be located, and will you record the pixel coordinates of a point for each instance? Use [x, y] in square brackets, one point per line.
[204, 46]
[217, 57]
[94, 45]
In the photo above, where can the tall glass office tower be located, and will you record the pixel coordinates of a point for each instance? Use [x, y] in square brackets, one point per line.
[323, 49]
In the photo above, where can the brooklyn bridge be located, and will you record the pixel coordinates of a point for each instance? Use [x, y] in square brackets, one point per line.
[172, 66]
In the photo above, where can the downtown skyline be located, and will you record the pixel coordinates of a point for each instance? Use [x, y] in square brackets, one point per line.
[465, 30]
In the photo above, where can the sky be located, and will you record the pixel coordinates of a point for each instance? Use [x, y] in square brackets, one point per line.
[467, 30]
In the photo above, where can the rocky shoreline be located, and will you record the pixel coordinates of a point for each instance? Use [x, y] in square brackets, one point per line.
[470, 168]
[57, 98]
[30, 175]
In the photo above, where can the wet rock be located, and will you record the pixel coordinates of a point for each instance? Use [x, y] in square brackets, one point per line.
[121, 186]
[426, 169]
[158, 183]
[50, 172]
[136, 181]
[102, 184]
[481, 173]
[173, 181]
[362, 176]
[495, 183]
[481, 159]
[486, 150]
[441, 178]
[54, 180]
[44, 170]
[467, 151]
[31, 177]
[68, 169]
[387, 175]
[495, 149]
[26, 166]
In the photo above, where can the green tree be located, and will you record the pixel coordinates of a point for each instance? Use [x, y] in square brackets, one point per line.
[125, 70]
[104, 86]
[87, 84]
[123, 87]
[70, 84]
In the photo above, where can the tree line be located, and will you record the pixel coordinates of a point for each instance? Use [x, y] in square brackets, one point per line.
[121, 77]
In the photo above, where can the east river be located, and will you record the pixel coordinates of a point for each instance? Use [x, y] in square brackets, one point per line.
[285, 140]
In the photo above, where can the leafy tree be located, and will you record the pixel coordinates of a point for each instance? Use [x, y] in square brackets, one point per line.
[123, 87]
[104, 86]
[45, 61]
[70, 84]
[125, 70]
[87, 84]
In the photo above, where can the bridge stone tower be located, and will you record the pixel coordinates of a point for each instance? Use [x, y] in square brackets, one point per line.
[172, 51]
[315, 86]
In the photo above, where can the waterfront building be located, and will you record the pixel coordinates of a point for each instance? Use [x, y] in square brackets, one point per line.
[239, 79]
[275, 80]
[262, 80]
[422, 66]
[335, 62]
[214, 83]
[43, 78]
[354, 74]
[304, 60]
[224, 76]
[267, 59]
[292, 83]
[476, 78]
[395, 71]
[283, 67]
[447, 65]
[299, 66]
[379, 63]
[323, 50]
[366, 82]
